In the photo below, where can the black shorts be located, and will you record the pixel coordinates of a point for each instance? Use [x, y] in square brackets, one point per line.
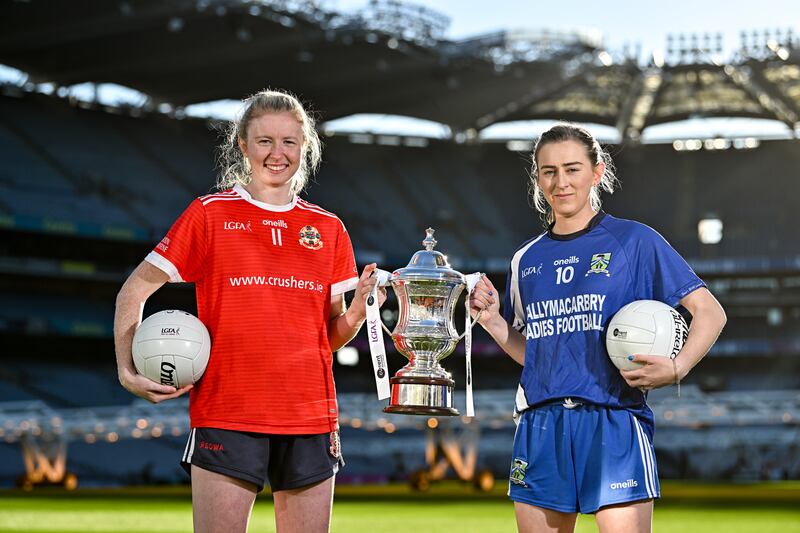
[287, 461]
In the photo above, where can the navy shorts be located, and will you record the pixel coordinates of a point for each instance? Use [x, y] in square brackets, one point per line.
[286, 461]
[571, 457]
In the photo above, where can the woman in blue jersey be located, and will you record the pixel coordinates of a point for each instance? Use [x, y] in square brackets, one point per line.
[584, 437]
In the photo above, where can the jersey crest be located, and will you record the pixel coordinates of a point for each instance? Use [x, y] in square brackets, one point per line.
[599, 264]
[518, 468]
[335, 448]
[310, 238]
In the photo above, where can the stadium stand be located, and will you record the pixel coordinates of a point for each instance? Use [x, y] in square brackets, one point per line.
[86, 190]
[69, 140]
[83, 181]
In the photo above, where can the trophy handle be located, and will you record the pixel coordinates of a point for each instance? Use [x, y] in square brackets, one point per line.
[385, 328]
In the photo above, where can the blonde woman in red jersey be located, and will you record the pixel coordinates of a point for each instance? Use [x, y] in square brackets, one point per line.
[270, 271]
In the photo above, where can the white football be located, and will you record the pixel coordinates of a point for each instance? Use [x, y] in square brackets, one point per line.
[646, 327]
[172, 348]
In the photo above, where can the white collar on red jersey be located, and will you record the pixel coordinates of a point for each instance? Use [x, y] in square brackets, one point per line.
[241, 191]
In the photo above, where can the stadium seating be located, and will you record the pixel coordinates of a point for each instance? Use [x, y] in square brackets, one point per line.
[89, 151]
[476, 195]
[64, 164]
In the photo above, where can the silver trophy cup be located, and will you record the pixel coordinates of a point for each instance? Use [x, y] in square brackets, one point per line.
[427, 291]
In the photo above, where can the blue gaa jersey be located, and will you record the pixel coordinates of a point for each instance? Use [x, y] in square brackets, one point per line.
[564, 289]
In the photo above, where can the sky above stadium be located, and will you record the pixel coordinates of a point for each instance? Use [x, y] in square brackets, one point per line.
[619, 21]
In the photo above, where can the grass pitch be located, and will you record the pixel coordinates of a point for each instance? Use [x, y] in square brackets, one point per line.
[447, 507]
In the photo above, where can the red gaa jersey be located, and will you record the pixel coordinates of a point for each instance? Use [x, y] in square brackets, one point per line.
[264, 277]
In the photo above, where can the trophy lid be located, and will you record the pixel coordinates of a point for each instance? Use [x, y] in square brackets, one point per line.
[428, 264]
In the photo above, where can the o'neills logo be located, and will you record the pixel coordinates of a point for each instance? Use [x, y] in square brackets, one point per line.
[171, 331]
[571, 260]
[168, 374]
[275, 223]
[624, 485]
[244, 226]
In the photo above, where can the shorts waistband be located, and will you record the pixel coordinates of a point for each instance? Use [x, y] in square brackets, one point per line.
[566, 403]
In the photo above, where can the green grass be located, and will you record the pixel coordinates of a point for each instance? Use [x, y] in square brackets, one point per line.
[448, 507]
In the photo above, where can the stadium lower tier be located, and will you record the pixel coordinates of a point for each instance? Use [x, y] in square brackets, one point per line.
[721, 436]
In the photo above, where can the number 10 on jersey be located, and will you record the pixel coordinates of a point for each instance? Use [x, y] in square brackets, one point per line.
[564, 274]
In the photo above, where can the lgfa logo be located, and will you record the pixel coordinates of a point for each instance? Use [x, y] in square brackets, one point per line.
[531, 270]
[233, 225]
[172, 332]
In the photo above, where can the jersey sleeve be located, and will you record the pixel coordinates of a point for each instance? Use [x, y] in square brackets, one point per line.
[345, 275]
[181, 253]
[660, 273]
[511, 303]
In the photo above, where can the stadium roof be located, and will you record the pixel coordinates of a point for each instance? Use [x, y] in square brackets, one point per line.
[389, 58]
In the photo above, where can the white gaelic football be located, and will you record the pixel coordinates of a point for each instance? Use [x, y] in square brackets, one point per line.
[645, 327]
[171, 348]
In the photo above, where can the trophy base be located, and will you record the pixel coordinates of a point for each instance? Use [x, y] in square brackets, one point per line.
[418, 395]
[420, 410]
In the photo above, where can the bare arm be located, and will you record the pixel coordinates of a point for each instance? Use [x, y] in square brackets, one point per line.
[485, 299]
[142, 282]
[708, 319]
[345, 322]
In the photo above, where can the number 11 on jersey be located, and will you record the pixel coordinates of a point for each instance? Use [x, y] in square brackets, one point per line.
[276, 237]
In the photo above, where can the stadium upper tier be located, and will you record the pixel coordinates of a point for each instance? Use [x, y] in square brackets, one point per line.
[392, 57]
[115, 183]
[64, 165]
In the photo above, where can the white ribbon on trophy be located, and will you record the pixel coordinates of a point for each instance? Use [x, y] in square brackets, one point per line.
[471, 280]
[376, 347]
